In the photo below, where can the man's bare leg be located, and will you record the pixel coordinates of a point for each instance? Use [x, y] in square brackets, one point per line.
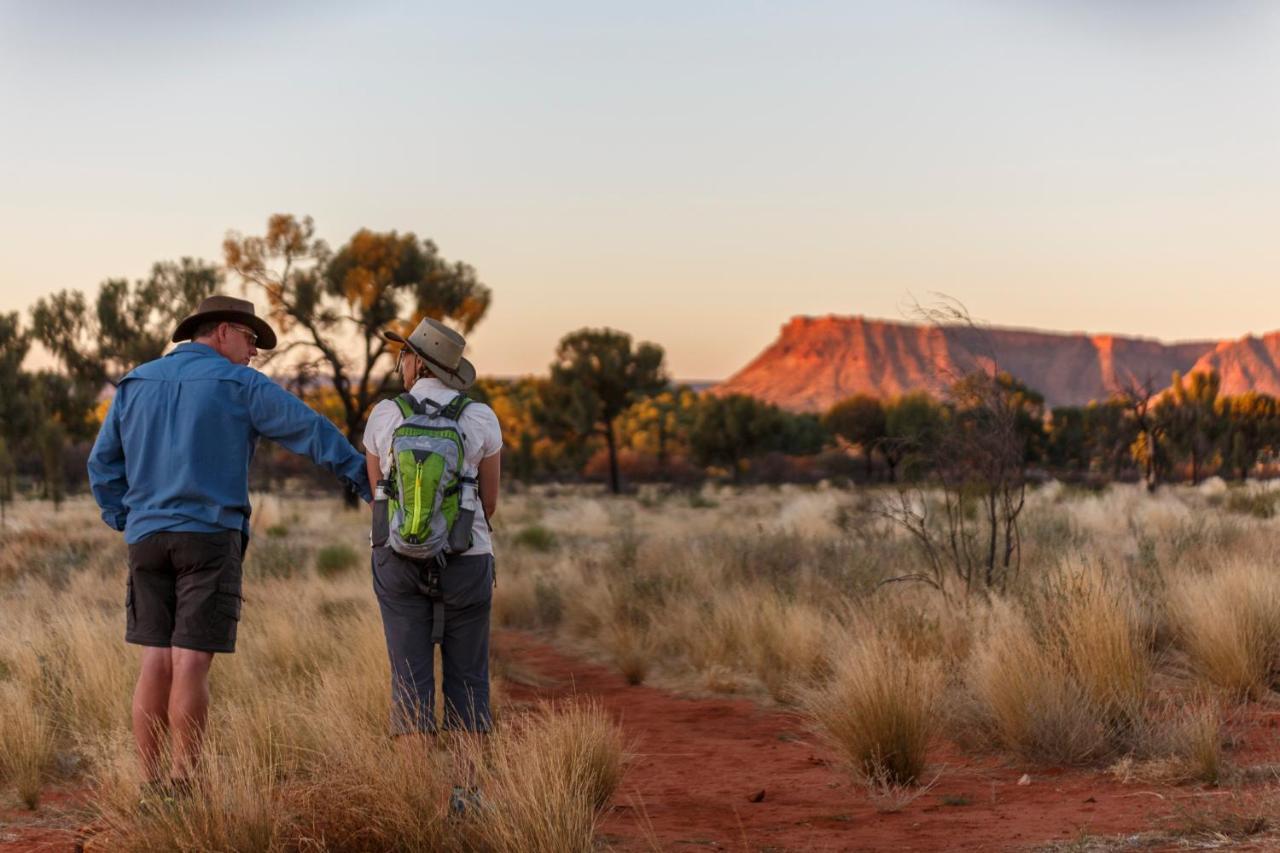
[188, 708]
[151, 709]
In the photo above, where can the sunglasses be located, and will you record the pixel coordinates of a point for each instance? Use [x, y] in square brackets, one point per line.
[249, 334]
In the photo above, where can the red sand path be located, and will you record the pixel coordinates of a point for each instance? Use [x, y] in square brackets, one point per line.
[698, 761]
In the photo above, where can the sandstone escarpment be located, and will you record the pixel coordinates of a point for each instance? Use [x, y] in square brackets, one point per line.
[817, 361]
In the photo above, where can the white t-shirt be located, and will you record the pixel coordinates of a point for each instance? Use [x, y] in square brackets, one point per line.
[481, 438]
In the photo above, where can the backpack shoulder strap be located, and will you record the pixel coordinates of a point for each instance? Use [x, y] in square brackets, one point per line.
[409, 405]
[454, 410]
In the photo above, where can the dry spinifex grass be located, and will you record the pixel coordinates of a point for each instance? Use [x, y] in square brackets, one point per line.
[878, 711]
[1064, 679]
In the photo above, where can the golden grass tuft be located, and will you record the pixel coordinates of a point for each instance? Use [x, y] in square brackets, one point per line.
[1228, 621]
[878, 711]
[547, 778]
[1065, 678]
[26, 743]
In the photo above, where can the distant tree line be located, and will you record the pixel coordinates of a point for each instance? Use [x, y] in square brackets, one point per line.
[1184, 433]
[605, 410]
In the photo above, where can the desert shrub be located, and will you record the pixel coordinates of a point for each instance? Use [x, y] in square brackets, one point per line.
[332, 560]
[549, 601]
[1195, 739]
[1027, 700]
[1257, 504]
[547, 777]
[631, 648]
[535, 537]
[1105, 642]
[1228, 621]
[274, 557]
[1065, 678]
[26, 743]
[789, 646]
[878, 711]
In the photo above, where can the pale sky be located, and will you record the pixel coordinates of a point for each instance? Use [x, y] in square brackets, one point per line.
[691, 173]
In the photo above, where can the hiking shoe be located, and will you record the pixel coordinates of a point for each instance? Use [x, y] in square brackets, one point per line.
[464, 802]
[156, 796]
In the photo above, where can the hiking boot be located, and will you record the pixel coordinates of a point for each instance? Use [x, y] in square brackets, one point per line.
[464, 802]
[156, 796]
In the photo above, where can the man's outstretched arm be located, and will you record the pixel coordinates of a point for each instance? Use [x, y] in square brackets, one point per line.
[285, 419]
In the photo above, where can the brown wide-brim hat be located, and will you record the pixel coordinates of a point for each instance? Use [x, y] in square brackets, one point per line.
[440, 348]
[226, 309]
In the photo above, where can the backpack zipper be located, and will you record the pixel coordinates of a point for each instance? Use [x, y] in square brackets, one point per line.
[417, 498]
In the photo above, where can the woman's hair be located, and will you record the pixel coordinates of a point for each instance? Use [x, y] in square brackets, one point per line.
[420, 369]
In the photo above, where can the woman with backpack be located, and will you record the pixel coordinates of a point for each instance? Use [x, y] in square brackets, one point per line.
[435, 455]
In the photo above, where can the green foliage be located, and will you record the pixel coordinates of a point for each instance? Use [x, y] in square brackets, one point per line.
[597, 375]
[1251, 427]
[912, 423]
[535, 537]
[272, 557]
[334, 560]
[1192, 418]
[15, 341]
[52, 440]
[659, 425]
[1257, 504]
[127, 324]
[7, 471]
[318, 298]
[730, 429]
[858, 420]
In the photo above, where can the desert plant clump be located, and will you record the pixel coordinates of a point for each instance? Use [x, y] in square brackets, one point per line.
[1025, 697]
[535, 537]
[1064, 677]
[333, 560]
[1228, 622]
[878, 711]
[26, 743]
[548, 776]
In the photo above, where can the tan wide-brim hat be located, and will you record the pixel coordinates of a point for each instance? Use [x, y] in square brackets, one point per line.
[440, 348]
[226, 309]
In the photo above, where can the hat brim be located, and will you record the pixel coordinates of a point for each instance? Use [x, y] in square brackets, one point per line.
[459, 380]
[266, 335]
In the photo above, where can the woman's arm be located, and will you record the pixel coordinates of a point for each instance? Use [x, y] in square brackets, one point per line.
[374, 466]
[488, 475]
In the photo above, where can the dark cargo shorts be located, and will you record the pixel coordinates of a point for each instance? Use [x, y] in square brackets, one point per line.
[184, 591]
[466, 585]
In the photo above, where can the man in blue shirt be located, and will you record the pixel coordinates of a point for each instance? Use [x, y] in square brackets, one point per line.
[170, 468]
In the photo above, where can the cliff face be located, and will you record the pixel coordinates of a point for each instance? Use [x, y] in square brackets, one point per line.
[817, 361]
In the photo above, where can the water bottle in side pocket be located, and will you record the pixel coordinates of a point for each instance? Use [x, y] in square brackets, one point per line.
[381, 527]
[468, 501]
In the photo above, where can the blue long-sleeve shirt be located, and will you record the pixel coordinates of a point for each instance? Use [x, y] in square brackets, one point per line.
[174, 450]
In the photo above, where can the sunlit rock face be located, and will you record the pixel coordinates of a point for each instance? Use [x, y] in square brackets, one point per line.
[817, 361]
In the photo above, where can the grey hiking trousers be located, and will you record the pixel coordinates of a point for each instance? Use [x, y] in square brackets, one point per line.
[466, 585]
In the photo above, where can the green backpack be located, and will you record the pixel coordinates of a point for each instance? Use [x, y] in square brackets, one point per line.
[432, 505]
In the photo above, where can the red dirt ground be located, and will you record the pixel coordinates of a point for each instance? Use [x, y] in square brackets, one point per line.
[698, 761]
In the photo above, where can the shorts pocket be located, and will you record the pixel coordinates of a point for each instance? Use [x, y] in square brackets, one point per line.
[130, 619]
[227, 602]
